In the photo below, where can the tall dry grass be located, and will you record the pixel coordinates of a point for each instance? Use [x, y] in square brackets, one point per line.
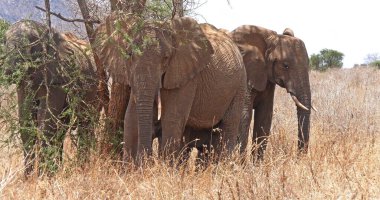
[343, 161]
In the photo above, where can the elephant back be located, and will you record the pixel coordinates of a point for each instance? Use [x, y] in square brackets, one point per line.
[79, 51]
[225, 49]
[78, 66]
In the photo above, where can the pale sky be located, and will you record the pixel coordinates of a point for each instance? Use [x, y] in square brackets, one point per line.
[349, 26]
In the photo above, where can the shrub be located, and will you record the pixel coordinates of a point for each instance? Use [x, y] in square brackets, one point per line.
[327, 58]
[375, 64]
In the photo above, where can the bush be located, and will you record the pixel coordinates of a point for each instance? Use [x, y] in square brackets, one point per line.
[327, 58]
[375, 64]
[3, 28]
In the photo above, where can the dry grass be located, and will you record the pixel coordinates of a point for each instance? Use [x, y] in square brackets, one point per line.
[343, 162]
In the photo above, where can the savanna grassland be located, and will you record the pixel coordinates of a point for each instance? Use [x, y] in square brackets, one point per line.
[343, 161]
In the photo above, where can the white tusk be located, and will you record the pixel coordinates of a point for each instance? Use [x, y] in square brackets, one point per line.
[298, 103]
[314, 108]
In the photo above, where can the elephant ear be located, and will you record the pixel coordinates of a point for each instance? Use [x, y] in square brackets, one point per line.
[255, 66]
[192, 51]
[255, 44]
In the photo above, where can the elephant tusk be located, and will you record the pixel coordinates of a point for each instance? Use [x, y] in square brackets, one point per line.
[298, 103]
[312, 107]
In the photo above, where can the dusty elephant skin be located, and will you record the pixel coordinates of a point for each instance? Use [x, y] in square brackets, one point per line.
[52, 76]
[201, 78]
[271, 59]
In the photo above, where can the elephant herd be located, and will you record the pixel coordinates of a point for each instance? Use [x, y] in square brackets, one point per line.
[204, 78]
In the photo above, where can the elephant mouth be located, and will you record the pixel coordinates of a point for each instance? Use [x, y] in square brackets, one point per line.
[297, 102]
[280, 83]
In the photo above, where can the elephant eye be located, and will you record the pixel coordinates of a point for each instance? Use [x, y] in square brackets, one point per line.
[286, 65]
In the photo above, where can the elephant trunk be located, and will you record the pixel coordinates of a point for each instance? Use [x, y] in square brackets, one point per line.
[303, 96]
[144, 110]
[303, 129]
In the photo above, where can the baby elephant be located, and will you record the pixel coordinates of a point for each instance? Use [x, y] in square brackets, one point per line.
[56, 90]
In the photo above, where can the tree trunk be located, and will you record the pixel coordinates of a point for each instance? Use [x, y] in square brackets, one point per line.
[102, 90]
[120, 93]
[102, 85]
[178, 10]
[48, 20]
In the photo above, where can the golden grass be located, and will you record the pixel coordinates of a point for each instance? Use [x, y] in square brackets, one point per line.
[343, 161]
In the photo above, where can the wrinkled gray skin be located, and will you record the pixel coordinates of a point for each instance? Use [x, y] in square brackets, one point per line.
[40, 91]
[273, 59]
[200, 74]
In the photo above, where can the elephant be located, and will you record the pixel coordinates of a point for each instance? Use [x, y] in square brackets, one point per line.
[111, 43]
[56, 90]
[198, 72]
[273, 59]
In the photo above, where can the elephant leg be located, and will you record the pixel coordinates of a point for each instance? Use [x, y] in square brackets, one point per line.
[176, 107]
[27, 111]
[157, 131]
[130, 131]
[194, 139]
[51, 106]
[188, 143]
[263, 119]
[230, 125]
[203, 141]
[245, 120]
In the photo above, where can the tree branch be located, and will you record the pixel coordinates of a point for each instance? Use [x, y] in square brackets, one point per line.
[69, 20]
[101, 73]
[47, 12]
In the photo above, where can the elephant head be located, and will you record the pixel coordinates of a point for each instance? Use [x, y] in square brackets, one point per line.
[22, 46]
[31, 48]
[153, 55]
[281, 59]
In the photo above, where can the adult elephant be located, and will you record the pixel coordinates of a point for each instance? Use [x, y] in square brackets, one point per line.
[273, 59]
[201, 78]
[115, 47]
[56, 87]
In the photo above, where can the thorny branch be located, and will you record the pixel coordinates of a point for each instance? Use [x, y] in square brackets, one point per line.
[93, 21]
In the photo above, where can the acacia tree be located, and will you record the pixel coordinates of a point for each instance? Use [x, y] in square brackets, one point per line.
[373, 60]
[327, 58]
